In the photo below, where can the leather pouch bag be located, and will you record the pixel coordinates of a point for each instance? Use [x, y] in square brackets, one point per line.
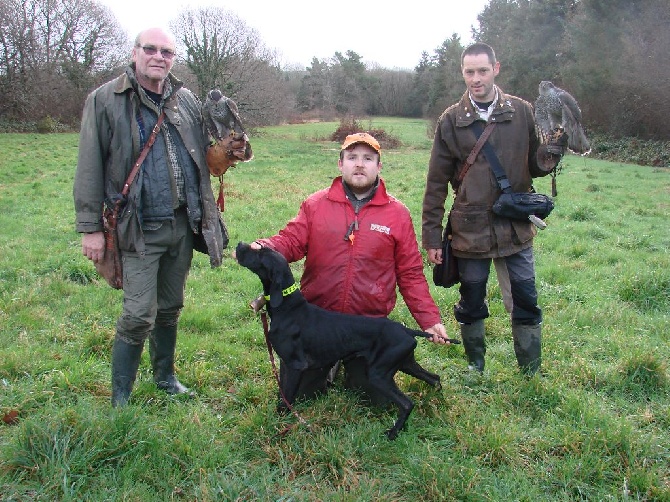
[519, 205]
[111, 267]
[446, 273]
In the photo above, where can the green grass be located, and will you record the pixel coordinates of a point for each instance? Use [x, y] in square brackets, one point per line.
[595, 427]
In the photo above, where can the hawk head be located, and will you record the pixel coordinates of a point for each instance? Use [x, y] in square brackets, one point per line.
[546, 87]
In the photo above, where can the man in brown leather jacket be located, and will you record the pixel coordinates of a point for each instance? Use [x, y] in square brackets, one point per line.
[479, 235]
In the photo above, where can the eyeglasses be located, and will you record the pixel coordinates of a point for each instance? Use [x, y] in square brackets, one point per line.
[151, 50]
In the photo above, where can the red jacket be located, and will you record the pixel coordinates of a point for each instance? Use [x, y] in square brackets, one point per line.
[357, 275]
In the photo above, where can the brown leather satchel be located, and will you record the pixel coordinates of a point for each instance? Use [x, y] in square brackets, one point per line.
[110, 267]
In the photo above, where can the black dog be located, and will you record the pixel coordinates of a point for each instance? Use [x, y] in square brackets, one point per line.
[306, 336]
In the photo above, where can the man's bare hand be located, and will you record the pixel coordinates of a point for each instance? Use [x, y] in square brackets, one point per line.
[439, 333]
[93, 246]
[435, 256]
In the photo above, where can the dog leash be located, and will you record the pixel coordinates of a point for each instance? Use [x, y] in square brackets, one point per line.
[266, 331]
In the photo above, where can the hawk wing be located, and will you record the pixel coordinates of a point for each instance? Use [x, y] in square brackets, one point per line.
[570, 106]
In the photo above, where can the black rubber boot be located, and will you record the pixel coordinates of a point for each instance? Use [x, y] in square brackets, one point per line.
[125, 361]
[474, 344]
[528, 347]
[162, 344]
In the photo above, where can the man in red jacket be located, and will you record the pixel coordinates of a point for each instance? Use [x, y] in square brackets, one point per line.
[359, 244]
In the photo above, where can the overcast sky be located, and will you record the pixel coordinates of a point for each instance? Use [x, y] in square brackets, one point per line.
[392, 34]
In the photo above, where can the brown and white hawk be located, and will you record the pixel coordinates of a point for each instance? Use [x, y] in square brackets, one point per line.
[228, 142]
[555, 111]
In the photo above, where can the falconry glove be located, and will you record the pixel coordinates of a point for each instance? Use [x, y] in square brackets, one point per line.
[550, 153]
[557, 141]
[226, 152]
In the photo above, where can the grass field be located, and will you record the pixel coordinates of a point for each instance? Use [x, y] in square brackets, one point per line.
[596, 426]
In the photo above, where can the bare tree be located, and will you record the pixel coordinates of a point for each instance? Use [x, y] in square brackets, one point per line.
[51, 52]
[220, 50]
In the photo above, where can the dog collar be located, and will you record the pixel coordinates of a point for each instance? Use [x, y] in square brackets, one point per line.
[291, 289]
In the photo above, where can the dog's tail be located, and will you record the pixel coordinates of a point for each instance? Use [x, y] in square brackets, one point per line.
[417, 333]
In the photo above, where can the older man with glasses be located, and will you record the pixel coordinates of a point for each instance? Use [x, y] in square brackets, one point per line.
[169, 210]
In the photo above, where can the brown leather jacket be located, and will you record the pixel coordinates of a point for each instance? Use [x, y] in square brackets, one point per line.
[477, 231]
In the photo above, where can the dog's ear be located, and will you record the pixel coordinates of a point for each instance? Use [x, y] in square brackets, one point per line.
[279, 274]
[281, 270]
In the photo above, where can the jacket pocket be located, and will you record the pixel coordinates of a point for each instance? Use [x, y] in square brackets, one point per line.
[524, 231]
[131, 237]
[471, 228]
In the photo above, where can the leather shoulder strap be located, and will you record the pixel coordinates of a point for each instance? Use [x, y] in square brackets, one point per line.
[475, 150]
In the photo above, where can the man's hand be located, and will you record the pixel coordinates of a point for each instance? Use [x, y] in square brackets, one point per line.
[435, 256]
[439, 333]
[93, 246]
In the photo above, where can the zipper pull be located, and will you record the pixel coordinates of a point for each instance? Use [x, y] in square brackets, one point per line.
[352, 228]
[350, 233]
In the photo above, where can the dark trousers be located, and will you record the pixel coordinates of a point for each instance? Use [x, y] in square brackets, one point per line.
[153, 284]
[474, 275]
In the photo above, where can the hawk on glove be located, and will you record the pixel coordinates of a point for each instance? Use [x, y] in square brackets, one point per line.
[557, 111]
[228, 141]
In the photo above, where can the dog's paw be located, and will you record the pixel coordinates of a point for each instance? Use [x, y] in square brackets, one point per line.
[392, 433]
[282, 409]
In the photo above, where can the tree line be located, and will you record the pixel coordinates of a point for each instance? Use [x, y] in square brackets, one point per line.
[607, 53]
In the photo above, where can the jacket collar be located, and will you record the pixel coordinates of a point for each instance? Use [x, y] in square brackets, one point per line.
[359, 203]
[128, 81]
[336, 192]
[466, 114]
